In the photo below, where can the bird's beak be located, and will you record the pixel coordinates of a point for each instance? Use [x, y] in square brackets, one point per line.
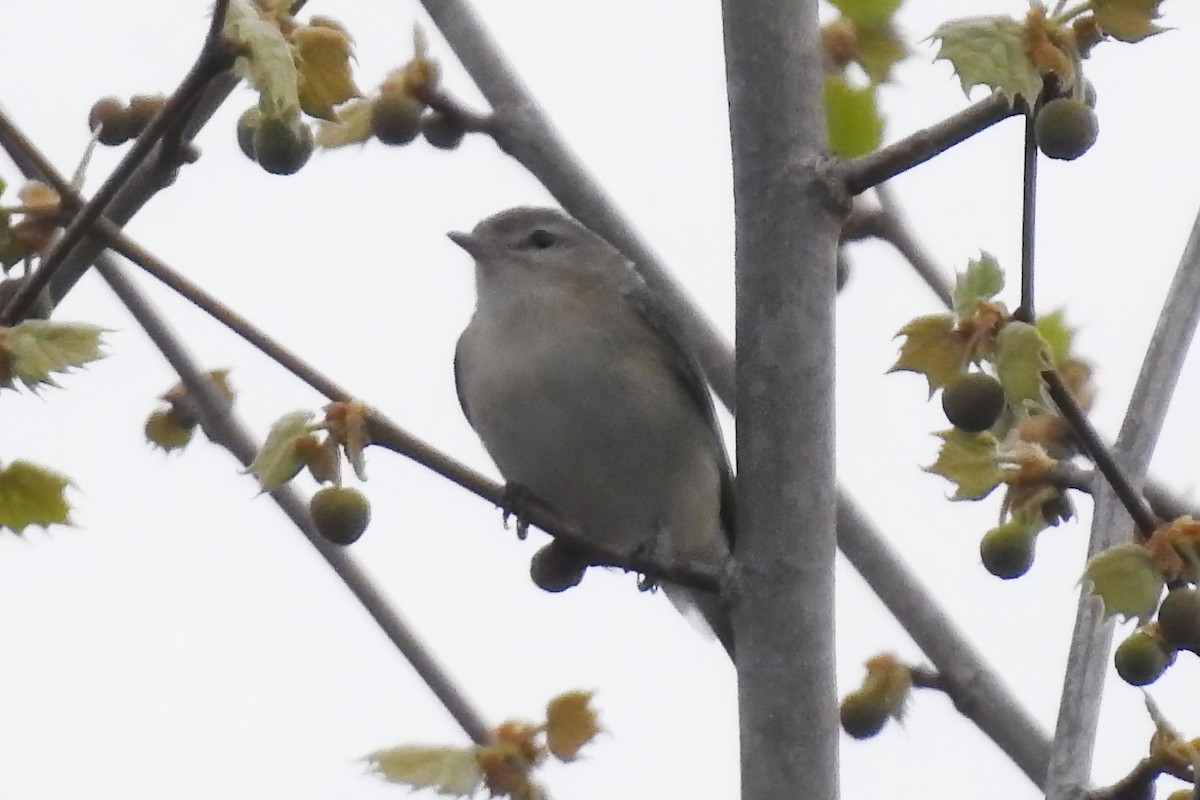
[469, 242]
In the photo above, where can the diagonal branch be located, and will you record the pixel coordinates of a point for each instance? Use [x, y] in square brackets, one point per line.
[1087, 660]
[212, 61]
[222, 427]
[226, 430]
[522, 130]
[874, 168]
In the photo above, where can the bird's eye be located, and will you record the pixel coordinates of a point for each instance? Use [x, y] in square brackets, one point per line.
[540, 239]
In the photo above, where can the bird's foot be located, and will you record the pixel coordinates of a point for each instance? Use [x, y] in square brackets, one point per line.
[518, 502]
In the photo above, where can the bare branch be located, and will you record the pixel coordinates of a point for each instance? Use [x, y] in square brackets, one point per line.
[537, 147]
[874, 168]
[1079, 710]
[975, 688]
[224, 428]
[212, 61]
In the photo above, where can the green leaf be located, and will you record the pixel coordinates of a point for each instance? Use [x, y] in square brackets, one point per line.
[1126, 580]
[447, 770]
[933, 348]
[989, 51]
[982, 280]
[32, 495]
[36, 348]
[879, 49]
[278, 460]
[867, 12]
[266, 61]
[1021, 355]
[1057, 334]
[1128, 20]
[854, 125]
[353, 126]
[323, 62]
[970, 462]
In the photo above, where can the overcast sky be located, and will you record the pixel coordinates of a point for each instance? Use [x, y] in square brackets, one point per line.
[183, 640]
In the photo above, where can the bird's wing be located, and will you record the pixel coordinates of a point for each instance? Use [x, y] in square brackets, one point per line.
[688, 372]
[458, 382]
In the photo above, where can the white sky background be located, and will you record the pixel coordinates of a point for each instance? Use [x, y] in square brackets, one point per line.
[184, 640]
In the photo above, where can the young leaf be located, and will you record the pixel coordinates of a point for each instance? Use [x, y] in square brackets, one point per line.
[854, 125]
[989, 51]
[352, 125]
[266, 63]
[867, 12]
[879, 49]
[347, 425]
[1127, 581]
[982, 280]
[1021, 355]
[1057, 334]
[280, 457]
[571, 723]
[933, 348]
[970, 462]
[36, 348]
[32, 495]
[1127, 20]
[323, 65]
[446, 770]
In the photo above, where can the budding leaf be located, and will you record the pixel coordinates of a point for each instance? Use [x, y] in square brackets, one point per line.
[352, 125]
[970, 462]
[447, 770]
[32, 495]
[1021, 355]
[982, 280]
[1127, 581]
[933, 348]
[879, 49]
[1127, 20]
[867, 12]
[989, 51]
[266, 61]
[323, 65]
[1057, 334]
[854, 125]
[571, 723]
[280, 457]
[36, 348]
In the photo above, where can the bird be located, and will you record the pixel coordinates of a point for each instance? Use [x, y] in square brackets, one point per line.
[574, 378]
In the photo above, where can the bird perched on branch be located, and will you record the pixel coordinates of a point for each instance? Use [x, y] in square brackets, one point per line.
[582, 394]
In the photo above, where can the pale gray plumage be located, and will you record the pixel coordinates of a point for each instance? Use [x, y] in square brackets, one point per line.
[572, 377]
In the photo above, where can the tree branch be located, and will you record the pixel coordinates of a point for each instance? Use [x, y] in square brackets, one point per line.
[872, 169]
[223, 428]
[1070, 760]
[977, 691]
[787, 227]
[212, 61]
[1026, 311]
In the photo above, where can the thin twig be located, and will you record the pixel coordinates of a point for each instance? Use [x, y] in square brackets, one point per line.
[468, 118]
[225, 429]
[222, 427]
[1079, 710]
[977, 690]
[1138, 784]
[889, 226]
[872, 169]
[212, 61]
[386, 433]
[1026, 311]
[1100, 454]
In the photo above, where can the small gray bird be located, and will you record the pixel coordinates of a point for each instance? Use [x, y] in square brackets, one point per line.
[572, 377]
